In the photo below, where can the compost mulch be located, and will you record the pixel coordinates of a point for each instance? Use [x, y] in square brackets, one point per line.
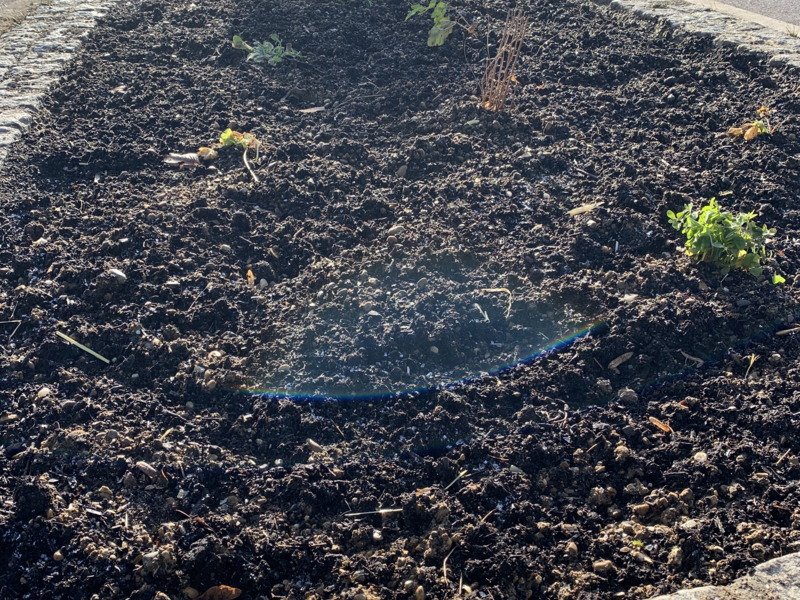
[401, 318]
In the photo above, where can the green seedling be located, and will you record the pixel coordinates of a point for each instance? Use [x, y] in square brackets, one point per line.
[727, 241]
[243, 141]
[442, 25]
[753, 129]
[267, 52]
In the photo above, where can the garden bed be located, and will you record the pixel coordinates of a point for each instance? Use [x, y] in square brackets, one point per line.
[406, 288]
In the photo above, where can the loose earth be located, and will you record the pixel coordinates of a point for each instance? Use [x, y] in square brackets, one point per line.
[397, 366]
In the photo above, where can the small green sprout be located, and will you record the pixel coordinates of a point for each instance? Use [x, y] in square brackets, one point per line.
[637, 543]
[442, 25]
[727, 241]
[242, 141]
[268, 52]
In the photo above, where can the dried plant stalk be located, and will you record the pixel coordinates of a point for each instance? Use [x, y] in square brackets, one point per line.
[499, 74]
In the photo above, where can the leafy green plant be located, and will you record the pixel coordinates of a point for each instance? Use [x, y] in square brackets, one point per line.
[728, 241]
[442, 25]
[268, 52]
[242, 141]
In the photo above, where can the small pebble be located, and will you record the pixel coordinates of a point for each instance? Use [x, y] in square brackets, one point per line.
[190, 593]
[434, 350]
[700, 457]
[422, 284]
[225, 249]
[118, 275]
[377, 536]
[284, 368]
[396, 230]
[173, 285]
[401, 172]
[313, 446]
[572, 549]
[419, 594]
[44, 393]
[601, 566]
[58, 556]
[391, 241]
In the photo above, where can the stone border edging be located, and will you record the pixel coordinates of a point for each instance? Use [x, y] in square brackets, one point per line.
[776, 579]
[729, 26]
[32, 55]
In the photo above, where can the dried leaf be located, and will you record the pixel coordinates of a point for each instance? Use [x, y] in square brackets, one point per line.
[763, 111]
[207, 153]
[221, 592]
[661, 425]
[313, 109]
[184, 160]
[584, 209]
[251, 279]
[751, 133]
[735, 132]
[120, 89]
[619, 360]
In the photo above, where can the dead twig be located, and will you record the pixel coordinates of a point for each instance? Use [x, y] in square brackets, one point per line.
[460, 475]
[18, 322]
[82, 347]
[499, 73]
[504, 290]
[444, 566]
[489, 514]
[247, 164]
[784, 455]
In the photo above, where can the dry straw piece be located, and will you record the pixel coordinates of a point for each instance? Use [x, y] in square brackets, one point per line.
[499, 74]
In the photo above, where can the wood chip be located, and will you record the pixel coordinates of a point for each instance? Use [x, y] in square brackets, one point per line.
[619, 360]
[313, 109]
[148, 470]
[788, 331]
[584, 209]
[661, 425]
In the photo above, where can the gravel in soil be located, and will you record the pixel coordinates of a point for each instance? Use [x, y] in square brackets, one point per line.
[401, 319]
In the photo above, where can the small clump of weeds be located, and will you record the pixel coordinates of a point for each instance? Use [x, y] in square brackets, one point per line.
[442, 24]
[726, 240]
[752, 129]
[269, 52]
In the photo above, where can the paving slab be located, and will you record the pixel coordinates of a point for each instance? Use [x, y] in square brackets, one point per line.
[34, 52]
[747, 32]
[776, 579]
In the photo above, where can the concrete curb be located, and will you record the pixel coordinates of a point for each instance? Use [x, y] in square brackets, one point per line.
[776, 579]
[32, 55]
[728, 26]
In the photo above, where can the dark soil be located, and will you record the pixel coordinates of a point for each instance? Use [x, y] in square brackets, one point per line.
[184, 463]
